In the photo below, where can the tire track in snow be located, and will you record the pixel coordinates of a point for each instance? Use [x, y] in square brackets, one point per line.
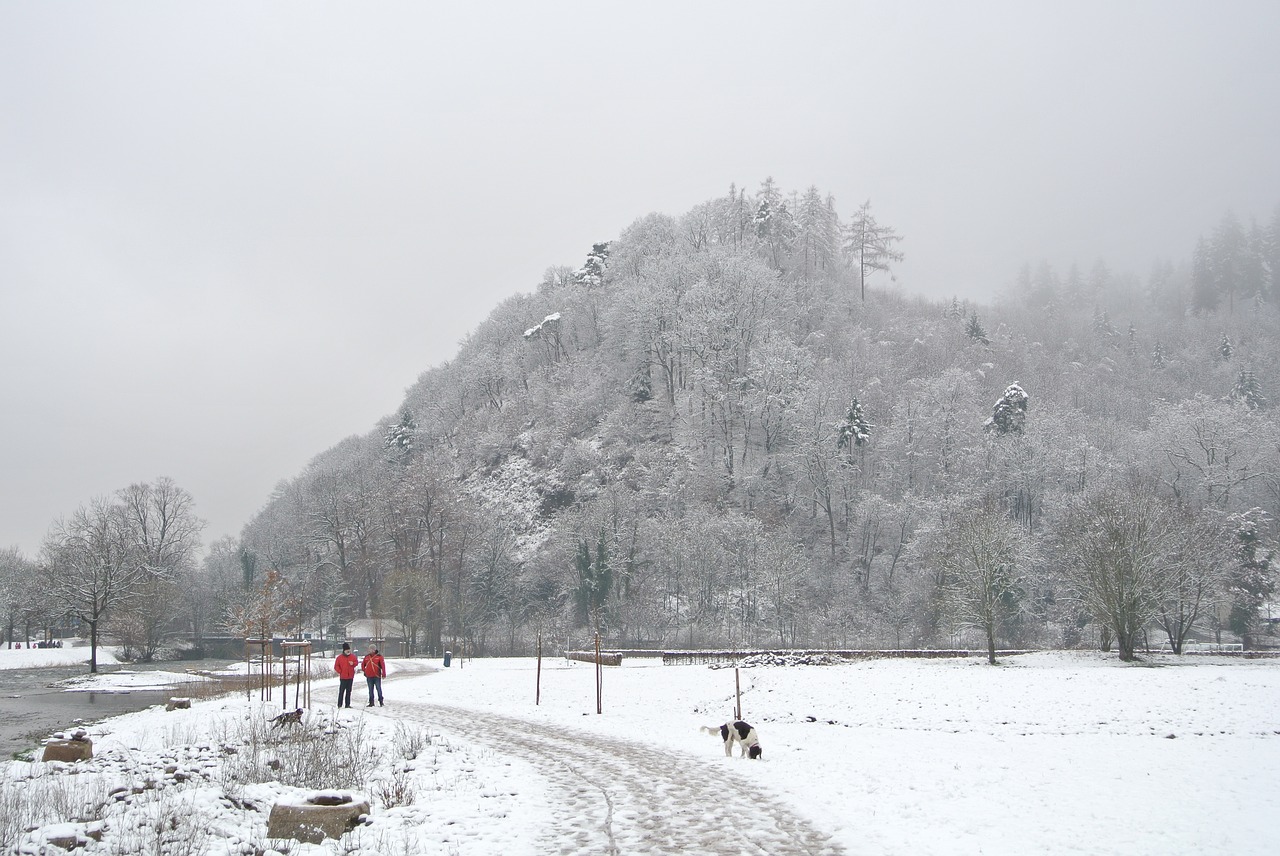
[622, 798]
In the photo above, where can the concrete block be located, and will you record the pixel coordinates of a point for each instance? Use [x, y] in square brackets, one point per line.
[321, 816]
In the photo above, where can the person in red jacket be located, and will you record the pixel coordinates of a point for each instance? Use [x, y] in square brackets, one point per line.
[345, 666]
[375, 669]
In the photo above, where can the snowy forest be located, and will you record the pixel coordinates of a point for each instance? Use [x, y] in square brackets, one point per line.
[729, 428]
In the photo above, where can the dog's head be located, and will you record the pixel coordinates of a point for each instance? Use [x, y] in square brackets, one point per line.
[755, 753]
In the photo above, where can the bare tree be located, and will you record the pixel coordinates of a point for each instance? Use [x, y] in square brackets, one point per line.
[1118, 550]
[870, 245]
[981, 556]
[163, 534]
[1195, 563]
[89, 567]
[20, 592]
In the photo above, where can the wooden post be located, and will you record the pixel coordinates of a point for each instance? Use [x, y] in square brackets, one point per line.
[537, 691]
[737, 684]
[599, 678]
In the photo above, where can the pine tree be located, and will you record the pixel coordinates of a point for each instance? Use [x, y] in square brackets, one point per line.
[593, 271]
[1252, 581]
[974, 330]
[1249, 391]
[1204, 288]
[854, 430]
[1158, 357]
[1225, 349]
[399, 438]
[1009, 415]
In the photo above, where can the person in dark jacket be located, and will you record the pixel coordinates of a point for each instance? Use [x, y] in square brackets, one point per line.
[375, 669]
[345, 666]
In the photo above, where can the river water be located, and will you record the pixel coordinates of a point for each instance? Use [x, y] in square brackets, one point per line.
[32, 706]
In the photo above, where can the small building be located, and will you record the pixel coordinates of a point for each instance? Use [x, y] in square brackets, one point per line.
[387, 633]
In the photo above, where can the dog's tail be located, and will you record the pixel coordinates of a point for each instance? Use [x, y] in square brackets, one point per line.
[709, 729]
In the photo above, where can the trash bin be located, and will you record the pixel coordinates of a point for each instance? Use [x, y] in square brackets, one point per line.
[448, 656]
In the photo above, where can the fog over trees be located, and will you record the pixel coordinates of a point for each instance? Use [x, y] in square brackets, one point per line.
[727, 428]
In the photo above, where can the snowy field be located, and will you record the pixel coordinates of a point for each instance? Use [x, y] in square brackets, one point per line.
[39, 658]
[1047, 754]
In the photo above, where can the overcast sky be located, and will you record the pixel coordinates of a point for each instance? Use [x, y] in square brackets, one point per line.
[232, 234]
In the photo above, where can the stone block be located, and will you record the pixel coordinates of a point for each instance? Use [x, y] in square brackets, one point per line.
[178, 704]
[326, 815]
[69, 751]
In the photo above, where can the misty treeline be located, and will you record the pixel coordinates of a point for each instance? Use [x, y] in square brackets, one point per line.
[728, 429]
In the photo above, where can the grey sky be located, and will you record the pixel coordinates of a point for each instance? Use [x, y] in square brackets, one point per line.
[231, 234]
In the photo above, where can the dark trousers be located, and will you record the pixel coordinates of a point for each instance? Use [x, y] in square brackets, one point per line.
[344, 690]
[374, 683]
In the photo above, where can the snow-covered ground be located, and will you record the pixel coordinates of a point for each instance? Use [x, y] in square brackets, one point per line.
[38, 658]
[1050, 753]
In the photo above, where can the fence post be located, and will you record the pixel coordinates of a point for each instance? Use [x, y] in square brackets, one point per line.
[737, 685]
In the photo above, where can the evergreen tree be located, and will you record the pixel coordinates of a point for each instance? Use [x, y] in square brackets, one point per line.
[854, 430]
[1158, 357]
[1009, 415]
[1229, 250]
[1225, 348]
[399, 438]
[1271, 252]
[593, 271]
[1249, 391]
[974, 330]
[1252, 581]
[1204, 288]
[595, 579]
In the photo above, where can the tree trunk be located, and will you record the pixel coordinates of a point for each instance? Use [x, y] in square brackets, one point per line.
[991, 645]
[1125, 641]
[93, 647]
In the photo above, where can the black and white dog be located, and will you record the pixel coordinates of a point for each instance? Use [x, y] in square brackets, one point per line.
[741, 733]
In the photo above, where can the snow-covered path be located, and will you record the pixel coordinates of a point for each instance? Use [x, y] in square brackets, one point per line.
[609, 796]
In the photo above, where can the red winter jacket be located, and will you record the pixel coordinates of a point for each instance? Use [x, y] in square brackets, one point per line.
[345, 665]
[374, 666]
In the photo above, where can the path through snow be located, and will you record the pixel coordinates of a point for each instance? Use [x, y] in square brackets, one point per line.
[615, 797]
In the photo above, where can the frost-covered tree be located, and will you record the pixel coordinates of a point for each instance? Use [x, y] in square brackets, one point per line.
[21, 593]
[817, 232]
[869, 246]
[1195, 560]
[1117, 550]
[981, 557]
[1009, 414]
[854, 430]
[399, 439]
[592, 273]
[1251, 578]
[975, 331]
[1248, 391]
[1225, 349]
